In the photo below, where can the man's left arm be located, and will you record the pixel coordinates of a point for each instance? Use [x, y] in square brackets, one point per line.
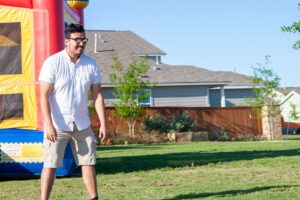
[100, 108]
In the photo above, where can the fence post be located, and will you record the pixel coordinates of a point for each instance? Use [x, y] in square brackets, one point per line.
[271, 125]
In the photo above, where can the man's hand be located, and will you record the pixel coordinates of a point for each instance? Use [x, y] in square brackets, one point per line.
[102, 133]
[51, 132]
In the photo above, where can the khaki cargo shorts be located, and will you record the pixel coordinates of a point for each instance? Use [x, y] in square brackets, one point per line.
[83, 144]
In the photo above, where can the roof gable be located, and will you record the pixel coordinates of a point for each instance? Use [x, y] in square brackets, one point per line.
[289, 96]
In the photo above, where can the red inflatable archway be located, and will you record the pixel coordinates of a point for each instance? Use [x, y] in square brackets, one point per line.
[30, 31]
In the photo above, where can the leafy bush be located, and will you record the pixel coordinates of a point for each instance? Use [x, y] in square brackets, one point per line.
[224, 137]
[156, 123]
[118, 140]
[180, 122]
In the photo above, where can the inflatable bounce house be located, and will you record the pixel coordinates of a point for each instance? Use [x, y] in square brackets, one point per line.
[30, 31]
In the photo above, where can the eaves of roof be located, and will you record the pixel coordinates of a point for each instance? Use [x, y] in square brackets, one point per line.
[211, 84]
[149, 54]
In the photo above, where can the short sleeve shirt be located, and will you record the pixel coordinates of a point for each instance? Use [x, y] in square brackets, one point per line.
[71, 84]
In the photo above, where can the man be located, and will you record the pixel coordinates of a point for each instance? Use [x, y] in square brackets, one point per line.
[65, 80]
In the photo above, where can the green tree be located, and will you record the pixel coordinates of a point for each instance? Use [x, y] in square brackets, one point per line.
[293, 115]
[266, 89]
[294, 28]
[129, 89]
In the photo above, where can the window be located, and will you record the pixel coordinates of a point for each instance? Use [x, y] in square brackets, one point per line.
[11, 106]
[147, 98]
[10, 48]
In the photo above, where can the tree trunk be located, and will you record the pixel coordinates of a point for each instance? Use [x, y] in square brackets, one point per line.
[271, 120]
[131, 127]
[271, 127]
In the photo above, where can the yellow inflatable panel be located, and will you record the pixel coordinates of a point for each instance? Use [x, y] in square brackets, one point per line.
[23, 81]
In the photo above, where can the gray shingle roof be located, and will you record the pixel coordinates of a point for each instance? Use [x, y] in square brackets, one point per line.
[287, 90]
[124, 43]
[184, 74]
[127, 44]
[236, 78]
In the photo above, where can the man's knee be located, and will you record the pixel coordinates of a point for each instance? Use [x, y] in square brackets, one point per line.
[48, 171]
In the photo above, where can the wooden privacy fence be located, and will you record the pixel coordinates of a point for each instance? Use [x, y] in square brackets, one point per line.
[235, 121]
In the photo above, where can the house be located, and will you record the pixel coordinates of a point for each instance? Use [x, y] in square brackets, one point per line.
[288, 90]
[236, 92]
[292, 98]
[176, 85]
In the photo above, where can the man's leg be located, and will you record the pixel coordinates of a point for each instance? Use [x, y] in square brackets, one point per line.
[47, 180]
[89, 179]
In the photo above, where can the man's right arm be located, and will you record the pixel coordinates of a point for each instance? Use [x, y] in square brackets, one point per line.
[45, 91]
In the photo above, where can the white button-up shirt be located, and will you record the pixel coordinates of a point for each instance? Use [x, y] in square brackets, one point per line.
[71, 84]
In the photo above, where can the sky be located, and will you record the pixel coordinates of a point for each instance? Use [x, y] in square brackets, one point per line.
[219, 35]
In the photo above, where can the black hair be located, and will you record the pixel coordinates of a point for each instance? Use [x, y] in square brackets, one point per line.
[73, 28]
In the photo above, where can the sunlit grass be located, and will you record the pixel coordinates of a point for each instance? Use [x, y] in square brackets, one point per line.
[204, 170]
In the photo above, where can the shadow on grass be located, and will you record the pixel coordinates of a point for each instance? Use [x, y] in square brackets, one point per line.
[148, 162]
[126, 147]
[229, 192]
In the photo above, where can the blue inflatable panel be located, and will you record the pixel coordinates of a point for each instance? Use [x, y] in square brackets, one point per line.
[20, 135]
[16, 148]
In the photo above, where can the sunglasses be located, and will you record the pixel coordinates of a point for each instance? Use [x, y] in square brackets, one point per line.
[79, 40]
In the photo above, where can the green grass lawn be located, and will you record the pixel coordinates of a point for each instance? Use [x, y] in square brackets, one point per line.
[203, 170]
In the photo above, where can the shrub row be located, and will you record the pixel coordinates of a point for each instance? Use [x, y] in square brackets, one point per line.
[179, 122]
